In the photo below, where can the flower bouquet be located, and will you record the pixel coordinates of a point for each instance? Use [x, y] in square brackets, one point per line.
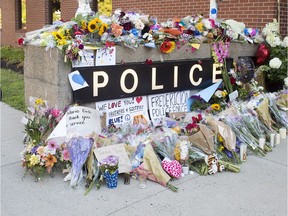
[38, 155]
[200, 135]
[109, 168]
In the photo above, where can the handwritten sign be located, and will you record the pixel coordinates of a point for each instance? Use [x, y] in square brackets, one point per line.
[160, 104]
[86, 59]
[82, 121]
[125, 111]
[117, 150]
[106, 56]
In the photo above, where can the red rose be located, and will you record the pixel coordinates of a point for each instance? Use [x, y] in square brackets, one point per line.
[21, 41]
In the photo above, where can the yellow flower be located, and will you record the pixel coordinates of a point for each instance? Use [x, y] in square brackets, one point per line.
[83, 24]
[221, 148]
[60, 37]
[220, 138]
[39, 101]
[199, 26]
[215, 107]
[34, 160]
[102, 29]
[92, 26]
[224, 93]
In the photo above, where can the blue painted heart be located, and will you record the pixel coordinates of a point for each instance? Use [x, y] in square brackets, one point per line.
[77, 78]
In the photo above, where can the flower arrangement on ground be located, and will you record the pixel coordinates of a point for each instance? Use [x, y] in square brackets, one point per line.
[40, 155]
[109, 168]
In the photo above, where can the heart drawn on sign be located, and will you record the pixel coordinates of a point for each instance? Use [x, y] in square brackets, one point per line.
[138, 99]
[77, 78]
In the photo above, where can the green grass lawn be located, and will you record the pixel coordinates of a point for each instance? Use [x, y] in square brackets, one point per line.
[12, 87]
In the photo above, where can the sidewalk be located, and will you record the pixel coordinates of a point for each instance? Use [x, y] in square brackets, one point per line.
[260, 189]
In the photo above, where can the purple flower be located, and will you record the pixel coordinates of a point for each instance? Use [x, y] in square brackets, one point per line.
[52, 145]
[81, 46]
[34, 150]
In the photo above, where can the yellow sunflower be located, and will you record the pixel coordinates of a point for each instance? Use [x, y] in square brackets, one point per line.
[215, 107]
[83, 24]
[93, 26]
[59, 37]
[102, 29]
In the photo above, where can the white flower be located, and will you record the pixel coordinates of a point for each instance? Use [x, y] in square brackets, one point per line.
[207, 24]
[235, 26]
[286, 82]
[273, 40]
[275, 63]
[218, 94]
[139, 25]
[285, 42]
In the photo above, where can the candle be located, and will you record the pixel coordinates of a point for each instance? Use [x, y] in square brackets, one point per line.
[277, 139]
[272, 139]
[243, 152]
[282, 132]
[262, 141]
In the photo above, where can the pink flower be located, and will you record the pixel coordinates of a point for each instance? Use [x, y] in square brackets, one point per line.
[52, 145]
[66, 155]
[55, 112]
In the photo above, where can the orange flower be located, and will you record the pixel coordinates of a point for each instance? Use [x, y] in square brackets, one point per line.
[167, 46]
[116, 29]
[50, 160]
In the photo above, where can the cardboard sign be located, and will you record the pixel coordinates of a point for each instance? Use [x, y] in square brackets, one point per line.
[125, 111]
[172, 102]
[117, 150]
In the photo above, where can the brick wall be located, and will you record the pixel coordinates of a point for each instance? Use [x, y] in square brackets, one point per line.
[254, 13]
[284, 17]
[9, 34]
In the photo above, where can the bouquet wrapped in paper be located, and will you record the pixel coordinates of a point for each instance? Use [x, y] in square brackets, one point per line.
[152, 169]
[263, 113]
[228, 135]
[79, 149]
[163, 141]
[226, 140]
[203, 139]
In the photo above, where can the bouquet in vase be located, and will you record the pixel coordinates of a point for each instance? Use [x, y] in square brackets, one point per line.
[109, 168]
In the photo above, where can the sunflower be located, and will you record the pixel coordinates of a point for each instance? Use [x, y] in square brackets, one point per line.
[215, 107]
[59, 37]
[83, 24]
[102, 29]
[167, 46]
[92, 26]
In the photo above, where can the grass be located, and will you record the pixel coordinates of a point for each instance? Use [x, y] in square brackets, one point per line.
[12, 87]
[12, 83]
[12, 55]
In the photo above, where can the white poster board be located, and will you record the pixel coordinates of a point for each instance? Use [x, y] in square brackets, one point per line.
[124, 111]
[160, 104]
[82, 121]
